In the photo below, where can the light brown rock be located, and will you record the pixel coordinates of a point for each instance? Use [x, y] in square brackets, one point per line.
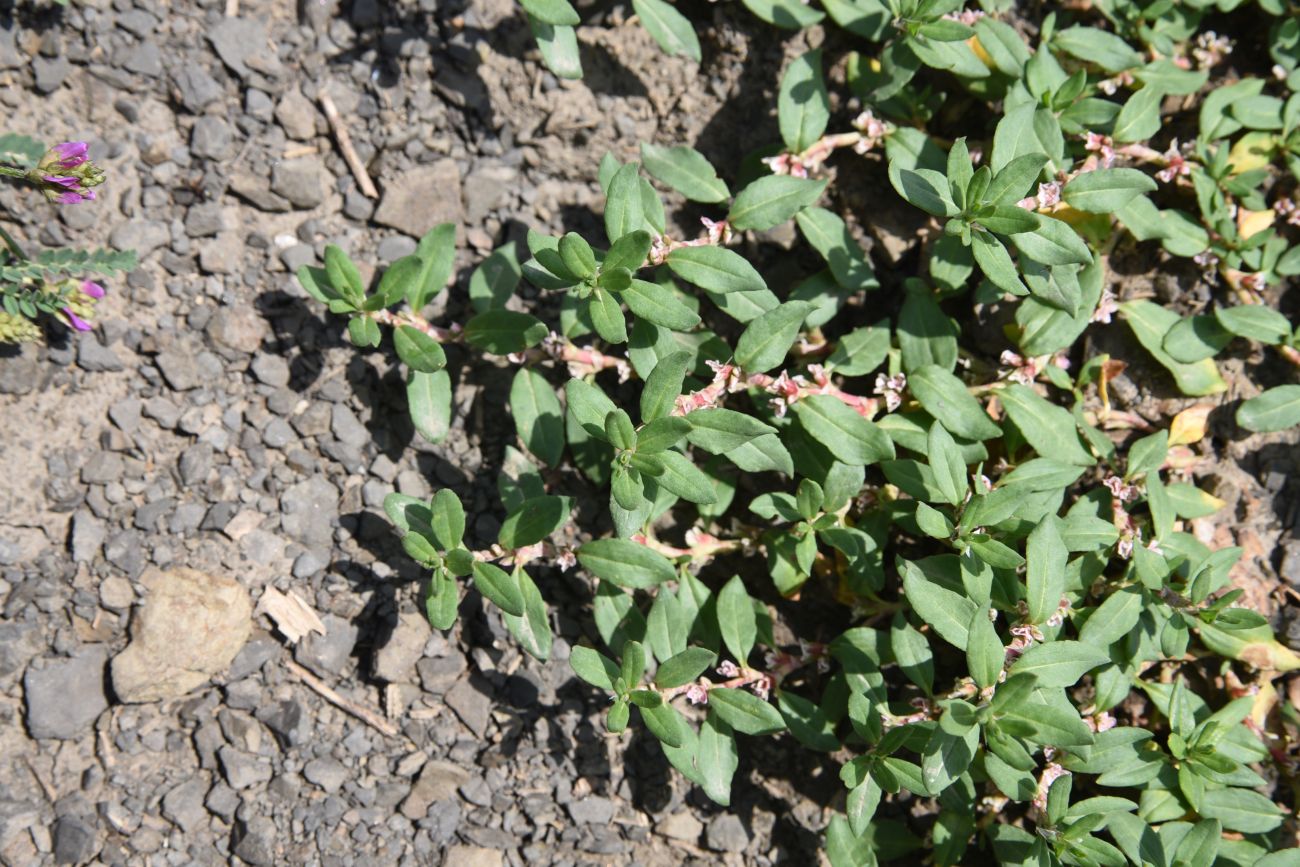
[189, 627]
[421, 199]
[438, 781]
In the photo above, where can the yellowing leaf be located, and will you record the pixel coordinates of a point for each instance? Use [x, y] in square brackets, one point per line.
[1189, 425]
[1252, 222]
[1254, 150]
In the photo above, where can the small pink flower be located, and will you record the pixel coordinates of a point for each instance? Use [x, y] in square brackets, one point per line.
[76, 321]
[92, 289]
[728, 669]
[697, 694]
[891, 389]
[70, 154]
[566, 560]
[1102, 146]
[1107, 307]
[1253, 282]
[1176, 165]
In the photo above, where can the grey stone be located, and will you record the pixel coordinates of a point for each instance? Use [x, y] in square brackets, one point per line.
[137, 22]
[185, 367]
[726, 833]
[439, 673]
[198, 89]
[259, 650]
[126, 414]
[189, 627]
[195, 464]
[471, 705]
[422, 198]
[297, 256]
[102, 468]
[328, 773]
[395, 661]
[236, 40]
[143, 236]
[145, 59]
[680, 826]
[438, 782]
[116, 593]
[395, 247]
[50, 72]
[125, 551]
[163, 411]
[300, 181]
[287, 721]
[224, 254]
[254, 190]
[592, 810]
[19, 642]
[238, 328]
[257, 842]
[271, 369]
[347, 428]
[297, 116]
[309, 509]
[65, 696]
[278, 434]
[204, 220]
[95, 357]
[183, 804]
[328, 654]
[20, 372]
[74, 840]
[88, 534]
[211, 139]
[309, 563]
[241, 769]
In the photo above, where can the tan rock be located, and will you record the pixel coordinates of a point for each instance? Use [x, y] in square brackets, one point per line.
[189, 627]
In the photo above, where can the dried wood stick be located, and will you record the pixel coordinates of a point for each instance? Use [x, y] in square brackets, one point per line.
[359, 711]
[345, 145]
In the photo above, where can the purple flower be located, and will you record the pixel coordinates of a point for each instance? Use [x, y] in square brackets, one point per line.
[70, 153]
[72, 198]
[76, 321]
[92, 289]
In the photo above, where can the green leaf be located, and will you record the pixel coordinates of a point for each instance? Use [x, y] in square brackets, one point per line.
[686, 480]
[1053, 243]
[745, 712]
[860, 351]
[719, 431]
[1015, 180]
[985, 653]
[428, 400]
[502, 332]
[803, 106]
[1050, 429]
[683, 668]
[594, 667]
[532, 629]
[767, 339]
[418, 350]
[685, 170]
[788, 14]
[1050, 723]
[1091, 45]
[666, 724]
[996, 263]
[534, 520]
[670, 28]
[607, 316]
[830, 237]
[1276, 409]
[538, 415]
[925, 333]
[664, 385]
[716, 269]
[1059, 663]
[923, 188]
[21, 150]
[499, 587]
[577, 255]
[1105, 191]
[1241, 810]
[398, 279]
[946, 398]
[1045, 573]
[947, 612]
[551, 11]
[661, 433]
[717, 758]
[658, 305]
[1150, 322]
[737, 620]
[623, 205]
[770, 201]
[343, 274]
[1255, 322]
[847, 435]
[912, 652]
[447, 520]
[437, 252]
[1139, 119]
[495, 280]
[441, 600]
[626, 563]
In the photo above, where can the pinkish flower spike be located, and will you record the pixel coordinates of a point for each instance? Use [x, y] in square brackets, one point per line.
[76, 321]
[92, 289]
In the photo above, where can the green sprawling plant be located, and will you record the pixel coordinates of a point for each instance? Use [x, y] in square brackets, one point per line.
[1020, 652]
[51, 284]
